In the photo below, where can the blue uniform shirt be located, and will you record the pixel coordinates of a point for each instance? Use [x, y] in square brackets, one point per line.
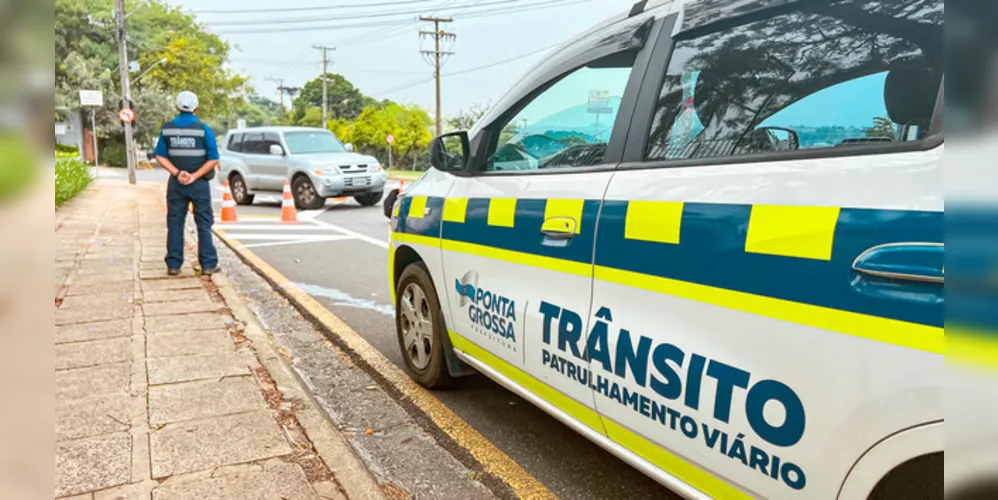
[182, 120]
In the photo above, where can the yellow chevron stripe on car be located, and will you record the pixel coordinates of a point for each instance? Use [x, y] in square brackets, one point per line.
[455, 209]
[656, 221]
[502, 211]
[792, 231]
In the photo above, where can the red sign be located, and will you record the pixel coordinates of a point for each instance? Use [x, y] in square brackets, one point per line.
[390, 139]
[126, 115]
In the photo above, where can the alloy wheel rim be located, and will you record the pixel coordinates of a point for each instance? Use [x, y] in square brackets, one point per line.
[238, 189]
[306, 192]
[417, 326]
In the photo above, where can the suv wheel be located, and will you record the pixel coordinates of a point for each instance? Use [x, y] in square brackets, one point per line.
[369, 199]
[306, 197]
[240, 194]
[420, 328]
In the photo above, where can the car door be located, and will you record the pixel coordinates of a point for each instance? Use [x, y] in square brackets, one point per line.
[770, 249]
[518, 231]
[250, 156]
[272, 169]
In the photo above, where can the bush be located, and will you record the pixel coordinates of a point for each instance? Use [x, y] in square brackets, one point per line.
[18, 166]
[62, 148]
[112, 154]
[71, 177]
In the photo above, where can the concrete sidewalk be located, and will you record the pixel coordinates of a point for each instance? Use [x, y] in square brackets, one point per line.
[166, 389]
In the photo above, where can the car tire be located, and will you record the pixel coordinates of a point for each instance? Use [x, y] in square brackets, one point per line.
[369, 199]
[390, 202]
[420, 328]
[240, 193]
[305, 195]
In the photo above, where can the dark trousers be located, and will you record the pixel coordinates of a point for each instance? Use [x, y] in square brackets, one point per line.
[178, 197]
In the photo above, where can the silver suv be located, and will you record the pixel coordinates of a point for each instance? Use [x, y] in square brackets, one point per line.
[318, 165]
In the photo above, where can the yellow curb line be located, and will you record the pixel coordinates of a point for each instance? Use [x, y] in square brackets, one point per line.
[491, 458]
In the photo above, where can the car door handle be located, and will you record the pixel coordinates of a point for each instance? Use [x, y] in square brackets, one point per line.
[559, 228]
[914, 262]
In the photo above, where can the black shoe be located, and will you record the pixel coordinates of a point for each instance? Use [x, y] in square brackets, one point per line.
[208, 271]
[173, 271]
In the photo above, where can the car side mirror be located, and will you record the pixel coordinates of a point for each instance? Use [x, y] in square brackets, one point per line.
[276, 150]
[349, 147]
[449, 152]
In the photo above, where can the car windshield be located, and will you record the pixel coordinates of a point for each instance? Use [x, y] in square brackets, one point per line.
[303, 143]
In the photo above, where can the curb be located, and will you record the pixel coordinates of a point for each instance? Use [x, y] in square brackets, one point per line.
[348, 470]
[470, 444]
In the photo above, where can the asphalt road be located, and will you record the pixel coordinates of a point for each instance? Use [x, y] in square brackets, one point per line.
[339, 255]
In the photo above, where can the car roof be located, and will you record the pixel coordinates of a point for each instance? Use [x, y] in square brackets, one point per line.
[283, 128]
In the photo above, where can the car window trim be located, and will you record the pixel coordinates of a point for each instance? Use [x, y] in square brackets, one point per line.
[483, 140]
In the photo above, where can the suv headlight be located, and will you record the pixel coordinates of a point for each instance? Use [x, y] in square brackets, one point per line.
[326, 170]
[374, 168]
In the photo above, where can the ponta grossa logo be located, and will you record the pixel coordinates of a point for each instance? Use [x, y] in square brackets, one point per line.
[491, 313]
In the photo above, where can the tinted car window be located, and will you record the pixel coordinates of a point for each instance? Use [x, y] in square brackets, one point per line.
[235, 143]
[253, 144]
[830, 74]
[568, 124]
[269, 139]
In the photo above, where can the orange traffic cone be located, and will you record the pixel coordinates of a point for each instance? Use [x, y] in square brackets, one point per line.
[228, 204]
[288, 213]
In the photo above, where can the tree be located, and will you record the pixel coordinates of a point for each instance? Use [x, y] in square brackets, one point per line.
[883, 128]
[409, 124]
[467, 118]
[344, 100]
[258, 111]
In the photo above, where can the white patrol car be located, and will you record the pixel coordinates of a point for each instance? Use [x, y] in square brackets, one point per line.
[707, 235]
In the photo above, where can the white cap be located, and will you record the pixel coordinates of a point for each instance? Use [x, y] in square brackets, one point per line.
[187, 101]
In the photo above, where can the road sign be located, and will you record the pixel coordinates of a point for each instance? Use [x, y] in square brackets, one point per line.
[126, 115]
[390, 139]
[240, 124]
[91, 98]
[599, 110]
[598, 95]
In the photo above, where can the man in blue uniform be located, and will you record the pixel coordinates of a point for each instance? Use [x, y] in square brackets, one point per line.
[187, 150]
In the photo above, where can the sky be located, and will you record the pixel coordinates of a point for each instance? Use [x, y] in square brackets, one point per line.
[377, 46]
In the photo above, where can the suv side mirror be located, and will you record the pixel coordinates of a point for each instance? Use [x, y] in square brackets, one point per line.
[276, 150]
[349, 147]
[449, 152]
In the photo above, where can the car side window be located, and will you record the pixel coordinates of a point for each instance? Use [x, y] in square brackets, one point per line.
[235, 143]
[822, 76]
[253, 144]
[566, 125]
[270, 139]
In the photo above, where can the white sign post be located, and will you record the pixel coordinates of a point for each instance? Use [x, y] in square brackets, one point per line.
[598, 104]
[240, 124]
[92, 99]
[390, 140]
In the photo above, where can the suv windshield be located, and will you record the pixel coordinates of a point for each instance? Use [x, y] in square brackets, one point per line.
[301, 143]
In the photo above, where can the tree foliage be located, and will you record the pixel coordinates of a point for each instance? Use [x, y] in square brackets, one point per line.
[409, 124]
[466, 118]
[883, 128]
[344, 100]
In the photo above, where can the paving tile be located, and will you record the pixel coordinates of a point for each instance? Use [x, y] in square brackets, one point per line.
[92, 464]
[92, 353]
[213, 442]
[270, 480]
[114, 289]
[182, 343]
[89, 315]
[91, 416]
[179, 283]
[95, 380]
[194, 294]
[181, 307]
[97, 279]
[186, 322]
[93, 331]
[194, 367]
[100, 301]
[210, 398]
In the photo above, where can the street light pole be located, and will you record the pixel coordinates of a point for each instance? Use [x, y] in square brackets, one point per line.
[125, 87]
[144, 73]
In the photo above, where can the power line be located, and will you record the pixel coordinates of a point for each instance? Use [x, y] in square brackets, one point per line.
[348, 17]
[307, 9]
[504, 61]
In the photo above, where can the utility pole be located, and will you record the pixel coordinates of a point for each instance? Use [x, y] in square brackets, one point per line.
[280, 90]
[325, 96]
[126, 92]
[437, 35]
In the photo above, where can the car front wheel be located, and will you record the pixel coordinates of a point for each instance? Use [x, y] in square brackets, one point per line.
[368, 199]
[305, 195]
[419, 325]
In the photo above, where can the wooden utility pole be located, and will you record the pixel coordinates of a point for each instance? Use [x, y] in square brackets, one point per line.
[325, 95]
[280, 91]
[436, 53]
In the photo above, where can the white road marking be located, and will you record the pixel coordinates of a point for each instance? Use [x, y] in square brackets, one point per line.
[292, 242]
[278, 226]
[359, 236]
[286, 237]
